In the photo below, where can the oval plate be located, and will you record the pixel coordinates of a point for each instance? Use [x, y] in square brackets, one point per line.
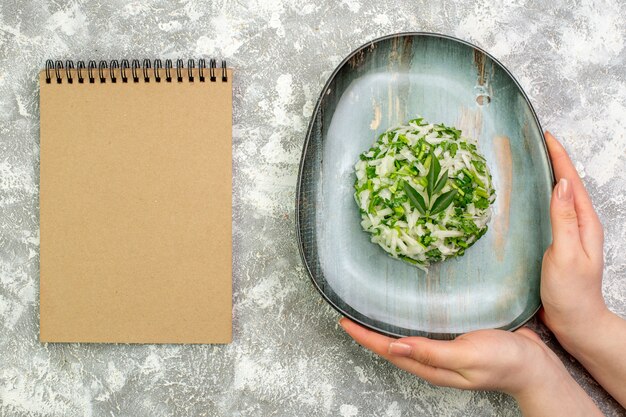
[445, 80]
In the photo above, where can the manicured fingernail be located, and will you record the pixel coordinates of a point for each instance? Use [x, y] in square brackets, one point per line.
[563, 190]
[400, 349]
[341, 320]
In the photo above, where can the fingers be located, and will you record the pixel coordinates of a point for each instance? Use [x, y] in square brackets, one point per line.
[433, 353]
[436, 353]
[590, 228]
[564, 168]
[438, 376]
[373, 341]
[380, 345]
[564, 219]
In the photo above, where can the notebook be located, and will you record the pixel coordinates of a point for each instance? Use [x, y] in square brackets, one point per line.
[135, 202]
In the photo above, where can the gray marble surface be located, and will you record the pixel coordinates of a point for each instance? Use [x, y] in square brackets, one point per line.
[289, 357]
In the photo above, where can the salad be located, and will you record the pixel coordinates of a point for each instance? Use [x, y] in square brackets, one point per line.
[424, 192]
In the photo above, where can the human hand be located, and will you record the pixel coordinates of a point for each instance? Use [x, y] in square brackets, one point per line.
[482, 360]
[571, 281]
[571, 277]
[517, 363]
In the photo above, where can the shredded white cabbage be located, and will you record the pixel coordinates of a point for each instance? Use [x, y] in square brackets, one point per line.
[424, 192]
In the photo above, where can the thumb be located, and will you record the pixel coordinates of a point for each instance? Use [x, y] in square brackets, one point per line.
[565, 234]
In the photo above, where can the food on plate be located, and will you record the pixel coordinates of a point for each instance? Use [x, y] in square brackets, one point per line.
[424, 192]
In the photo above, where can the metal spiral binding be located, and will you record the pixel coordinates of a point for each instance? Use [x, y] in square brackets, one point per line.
[90, 67]
[114, 65]
[133, 69]
[150, 70]
[179, 70]
[101, 67]
[69, 66]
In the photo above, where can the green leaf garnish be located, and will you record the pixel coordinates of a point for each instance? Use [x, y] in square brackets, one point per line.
[413, 188]
[433, 174]
[415, 198]
[442, 202]
[441, 182]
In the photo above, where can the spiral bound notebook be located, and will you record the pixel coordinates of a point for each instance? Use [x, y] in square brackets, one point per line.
[135, 202]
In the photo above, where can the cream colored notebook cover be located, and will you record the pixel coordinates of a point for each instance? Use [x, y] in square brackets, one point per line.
[135, 203]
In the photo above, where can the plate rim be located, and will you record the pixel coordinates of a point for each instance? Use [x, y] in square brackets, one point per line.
[307, 140]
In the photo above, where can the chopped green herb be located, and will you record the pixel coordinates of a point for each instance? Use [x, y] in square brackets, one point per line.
[427, 207]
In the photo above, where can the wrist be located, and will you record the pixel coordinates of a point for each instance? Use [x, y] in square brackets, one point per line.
[539, 372]
[554, 392]
[580, 339]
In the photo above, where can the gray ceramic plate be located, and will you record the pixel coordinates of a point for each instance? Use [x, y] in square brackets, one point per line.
[385, 83]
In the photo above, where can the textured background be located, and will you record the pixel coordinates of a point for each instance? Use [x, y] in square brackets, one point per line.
[288, 357]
